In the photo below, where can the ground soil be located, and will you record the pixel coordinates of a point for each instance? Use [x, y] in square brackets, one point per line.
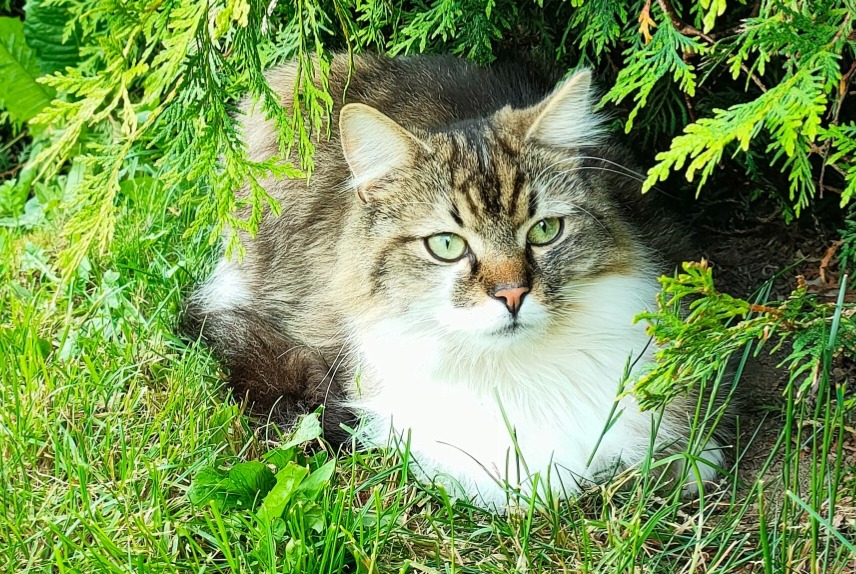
[747, 245]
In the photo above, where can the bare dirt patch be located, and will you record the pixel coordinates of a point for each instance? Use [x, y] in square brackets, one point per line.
[748, 245]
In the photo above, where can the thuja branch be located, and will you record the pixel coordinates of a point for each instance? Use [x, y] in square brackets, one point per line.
[680, 25]
[690, 30]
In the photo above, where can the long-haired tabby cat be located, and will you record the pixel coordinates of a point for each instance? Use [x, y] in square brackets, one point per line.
[461, 273]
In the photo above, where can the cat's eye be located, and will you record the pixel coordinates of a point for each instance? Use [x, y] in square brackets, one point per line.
[446, 247]
[545, 231]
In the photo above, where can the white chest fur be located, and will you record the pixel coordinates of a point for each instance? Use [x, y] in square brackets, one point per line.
[467, 413]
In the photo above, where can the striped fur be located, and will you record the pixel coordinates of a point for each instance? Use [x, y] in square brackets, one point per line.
[339, 302]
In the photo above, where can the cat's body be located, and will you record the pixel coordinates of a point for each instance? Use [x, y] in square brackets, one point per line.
[352, 297]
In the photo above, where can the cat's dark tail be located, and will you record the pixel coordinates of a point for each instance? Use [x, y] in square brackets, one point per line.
[279, 377]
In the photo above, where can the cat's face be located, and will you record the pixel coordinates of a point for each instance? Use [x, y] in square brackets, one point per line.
[487, 231]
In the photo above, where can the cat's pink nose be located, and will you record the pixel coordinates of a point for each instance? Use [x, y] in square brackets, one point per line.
[512, 295]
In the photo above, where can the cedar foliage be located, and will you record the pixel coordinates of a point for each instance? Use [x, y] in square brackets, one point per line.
[761, 85]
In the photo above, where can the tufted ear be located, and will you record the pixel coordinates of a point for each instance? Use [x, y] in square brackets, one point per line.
[566, 118]
[375, 145]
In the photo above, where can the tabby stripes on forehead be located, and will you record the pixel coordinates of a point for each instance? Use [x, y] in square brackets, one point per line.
[516, 188]
[472, 204]
[533, 204]
[509, 149]
[456, 215]
[484, 170]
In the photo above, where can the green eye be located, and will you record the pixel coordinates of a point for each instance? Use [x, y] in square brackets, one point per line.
[545, 231]
[446, 247]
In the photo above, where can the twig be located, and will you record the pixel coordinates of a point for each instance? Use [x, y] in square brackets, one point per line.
[844, 25]
[680, 25]
[755, 79]
[822, 151]
[690, 30]
[843, 86]
[690, 108]
[827, 187]
[12, 171]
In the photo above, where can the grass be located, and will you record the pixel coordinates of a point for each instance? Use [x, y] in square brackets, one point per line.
[106, 418]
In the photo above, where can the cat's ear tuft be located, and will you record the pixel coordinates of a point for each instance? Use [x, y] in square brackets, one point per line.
[375, 145]
[566, 118]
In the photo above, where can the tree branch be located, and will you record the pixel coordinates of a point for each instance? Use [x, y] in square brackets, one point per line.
[680, 25]
[690, 30]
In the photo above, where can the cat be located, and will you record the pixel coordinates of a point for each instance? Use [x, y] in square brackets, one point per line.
[460, 273]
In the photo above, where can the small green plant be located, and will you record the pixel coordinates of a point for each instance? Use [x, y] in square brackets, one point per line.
[700, 330]
[706, 337]
[282, 503]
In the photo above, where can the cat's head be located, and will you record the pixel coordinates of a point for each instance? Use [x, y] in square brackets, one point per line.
[490, 228]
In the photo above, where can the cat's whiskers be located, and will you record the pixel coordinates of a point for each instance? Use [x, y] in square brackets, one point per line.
[606, 169]
[428, 203]
[630, 174]
[577, 207]
[331, 375]
[626, 169]
[627, 172]
[424, 325]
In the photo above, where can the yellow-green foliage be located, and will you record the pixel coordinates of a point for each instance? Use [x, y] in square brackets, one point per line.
[701, 329]
[761, 84]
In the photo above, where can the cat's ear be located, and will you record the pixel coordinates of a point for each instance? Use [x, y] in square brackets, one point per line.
[566, 118]
[375, 145]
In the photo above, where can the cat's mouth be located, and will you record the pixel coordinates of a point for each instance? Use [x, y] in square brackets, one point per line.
[513, 328]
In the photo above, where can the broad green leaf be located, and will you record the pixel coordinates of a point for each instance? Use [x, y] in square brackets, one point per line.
[279, 457]
[287, 481]
[221, 420]
[20, 94]
[33, 216]
[314, 516]
[12, 198]
[310, 488]
[44, 27]
[308, 429]
[318, 460]
[252, 481]
[243, 485]
[209, 485]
